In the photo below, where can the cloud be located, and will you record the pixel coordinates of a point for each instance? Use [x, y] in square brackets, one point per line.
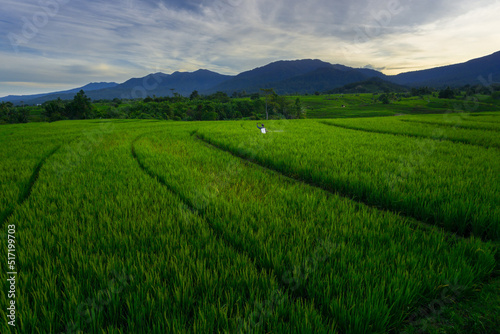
[63, 41]
[371, 67]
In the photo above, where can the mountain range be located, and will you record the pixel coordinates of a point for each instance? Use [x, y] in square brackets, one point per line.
[286, 77]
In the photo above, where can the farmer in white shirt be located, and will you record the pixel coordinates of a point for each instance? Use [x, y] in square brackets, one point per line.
[261, 128]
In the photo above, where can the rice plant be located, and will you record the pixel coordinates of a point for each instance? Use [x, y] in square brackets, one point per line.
[448, 184]
[141, 227]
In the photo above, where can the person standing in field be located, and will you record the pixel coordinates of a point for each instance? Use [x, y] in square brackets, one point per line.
[261, 128]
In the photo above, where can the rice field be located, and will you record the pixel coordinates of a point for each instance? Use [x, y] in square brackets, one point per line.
[344, 226]
[420, 127]
[438, 181]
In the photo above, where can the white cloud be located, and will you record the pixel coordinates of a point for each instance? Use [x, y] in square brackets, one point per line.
[113, 41]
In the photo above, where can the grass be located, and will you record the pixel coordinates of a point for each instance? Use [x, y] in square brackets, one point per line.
[26, 154]
[92, 257]
[141, 227]
[367, 105]
[415, 176]
[426, 127]
[226, 190]
[460, 124]
[465, 315]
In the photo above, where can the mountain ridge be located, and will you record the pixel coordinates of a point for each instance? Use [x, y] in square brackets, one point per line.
[285, 76]
[87, 88]
[460, 74]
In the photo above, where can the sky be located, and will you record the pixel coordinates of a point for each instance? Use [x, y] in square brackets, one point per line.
[51, 45]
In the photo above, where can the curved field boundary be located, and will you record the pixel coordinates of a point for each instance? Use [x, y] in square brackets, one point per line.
[454, 140]
[156, 171]
[338, 189]
[189, 204]
[294, 178]
[217, 230]
[482, 121]
[451, 125]
[25, 194]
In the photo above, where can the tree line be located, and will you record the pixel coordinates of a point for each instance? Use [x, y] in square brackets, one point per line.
[218, 106]
[11, 114]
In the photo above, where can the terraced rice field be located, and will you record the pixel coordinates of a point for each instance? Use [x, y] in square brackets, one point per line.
[338, 226]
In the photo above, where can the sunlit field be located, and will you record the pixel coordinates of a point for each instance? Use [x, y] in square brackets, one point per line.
[318, 226]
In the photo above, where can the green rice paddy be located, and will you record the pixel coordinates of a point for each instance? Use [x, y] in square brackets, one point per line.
[319, 226]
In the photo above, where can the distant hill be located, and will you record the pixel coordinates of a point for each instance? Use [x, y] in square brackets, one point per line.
[35, 99]
[297, 76]
[286, 77]
[318, 80]
[454, 75]
[372, 85]
[160, 84]
[252, 81]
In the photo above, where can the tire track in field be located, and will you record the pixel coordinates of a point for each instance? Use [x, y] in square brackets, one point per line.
[26, 192]
[417, 224]
[189, 204]
[414, 221]
[454, 140]
[460, 126]
[221, 235]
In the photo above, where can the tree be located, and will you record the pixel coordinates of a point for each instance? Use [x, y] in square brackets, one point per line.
[384, 98]
[245, 107]
[11, 114]
[267, 93]
[5, 111]
[421, 91]
[282, 105]
[54, 110]
[18, 115]
[298, 109]
[194, 95]
[80, 107]
[220, 97]
[446, 94]
[209, 116]
[166, 110]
